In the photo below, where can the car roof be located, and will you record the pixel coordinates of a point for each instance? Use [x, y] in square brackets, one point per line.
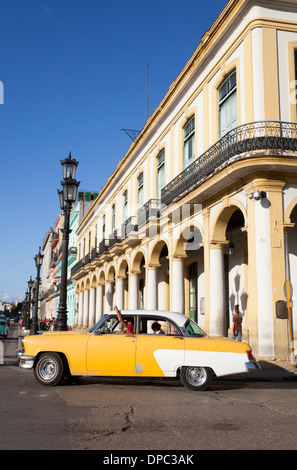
[178, 318]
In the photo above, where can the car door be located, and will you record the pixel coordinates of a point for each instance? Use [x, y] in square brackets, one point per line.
[158, 355]
[111, 351]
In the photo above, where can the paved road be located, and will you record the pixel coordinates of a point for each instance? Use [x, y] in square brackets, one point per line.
[247, 412]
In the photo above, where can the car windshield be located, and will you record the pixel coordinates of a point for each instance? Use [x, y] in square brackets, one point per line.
[193, 329]
[98, 324]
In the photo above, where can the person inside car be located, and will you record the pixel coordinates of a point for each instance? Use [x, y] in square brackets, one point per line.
[157, 329]
[128, 325]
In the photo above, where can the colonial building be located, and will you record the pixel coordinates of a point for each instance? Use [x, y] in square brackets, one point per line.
[50, 278]
[46, 282]
[200, 213]
[52, 261]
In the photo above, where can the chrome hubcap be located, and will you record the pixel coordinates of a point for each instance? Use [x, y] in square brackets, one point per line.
[47, 369]
[196, 375]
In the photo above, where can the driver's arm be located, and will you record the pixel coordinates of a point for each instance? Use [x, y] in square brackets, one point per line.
[120, 318]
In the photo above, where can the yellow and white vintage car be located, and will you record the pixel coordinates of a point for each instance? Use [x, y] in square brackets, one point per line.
[156, 344]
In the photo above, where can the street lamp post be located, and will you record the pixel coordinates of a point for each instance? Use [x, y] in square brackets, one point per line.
[30, 285]
[67, 197]
[38, 262]
[26, 310]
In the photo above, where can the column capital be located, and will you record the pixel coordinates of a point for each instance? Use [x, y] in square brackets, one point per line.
[218, 244]
[264, 184]
[153, 267]
[286, 227]
[134, 272]
[179, 257]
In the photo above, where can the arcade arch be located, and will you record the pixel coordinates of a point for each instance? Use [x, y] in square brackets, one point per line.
[228, 267]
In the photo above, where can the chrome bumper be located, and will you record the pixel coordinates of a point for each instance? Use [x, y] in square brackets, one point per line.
[25, 362]
[252, 365]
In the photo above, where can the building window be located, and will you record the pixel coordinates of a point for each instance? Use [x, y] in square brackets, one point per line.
[140, 190]
[160, 173]
[228, 105]
[295, 57]
[103, 228]
[96, 235]
[189, 142]
[113, 218]
[125, 206]
[90, 242]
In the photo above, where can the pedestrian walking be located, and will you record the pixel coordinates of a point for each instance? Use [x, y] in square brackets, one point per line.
[237, 322]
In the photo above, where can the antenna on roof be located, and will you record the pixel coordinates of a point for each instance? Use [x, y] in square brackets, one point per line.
[131, 133]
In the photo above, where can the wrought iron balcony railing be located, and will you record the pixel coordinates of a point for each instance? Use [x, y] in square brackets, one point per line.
[77, 266]
[251, 137]
[151, 209]
[114, 237]
[130, 225]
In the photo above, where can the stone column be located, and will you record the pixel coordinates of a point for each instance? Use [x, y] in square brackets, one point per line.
[76, 304]
[92, 307]
[86, 309]
[109, 297]
[99, 302]
[217, 290]
[152, 293]
[134, 291]
[80, 309]
[178, 285]
[120, 293]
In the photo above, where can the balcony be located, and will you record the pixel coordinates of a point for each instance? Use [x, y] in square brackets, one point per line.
[130, 226]
[80, 264]
[103, 247]
[252, 138]
[150, 211]
[114, 238]
[129, 231]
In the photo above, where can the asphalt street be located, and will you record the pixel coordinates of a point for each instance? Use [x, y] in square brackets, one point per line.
[247, 412]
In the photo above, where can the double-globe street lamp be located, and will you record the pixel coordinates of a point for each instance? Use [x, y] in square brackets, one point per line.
[67, 197]
[38, 262]
[30, 285]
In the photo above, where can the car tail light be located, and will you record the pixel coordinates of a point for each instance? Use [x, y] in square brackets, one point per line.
[250, 355]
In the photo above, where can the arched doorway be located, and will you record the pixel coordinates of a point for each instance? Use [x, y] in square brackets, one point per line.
[235, 262]
[158, 277]
[122, 284]
[137, 281]
[228, 267]
[291, 262]
[189, 256]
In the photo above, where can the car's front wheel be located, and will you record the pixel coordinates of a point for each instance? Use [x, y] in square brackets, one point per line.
[50, 369]
[196, 378]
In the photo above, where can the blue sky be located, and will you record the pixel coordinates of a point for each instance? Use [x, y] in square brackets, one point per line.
[74, 74]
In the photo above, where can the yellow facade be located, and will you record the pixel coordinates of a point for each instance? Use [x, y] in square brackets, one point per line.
[171, 251]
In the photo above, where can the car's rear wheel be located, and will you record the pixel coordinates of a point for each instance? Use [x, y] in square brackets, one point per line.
[50, 369]
[196, 378]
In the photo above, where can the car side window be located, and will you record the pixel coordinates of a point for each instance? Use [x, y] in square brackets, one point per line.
[172, 329]
[112, 325]
[157, 326]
